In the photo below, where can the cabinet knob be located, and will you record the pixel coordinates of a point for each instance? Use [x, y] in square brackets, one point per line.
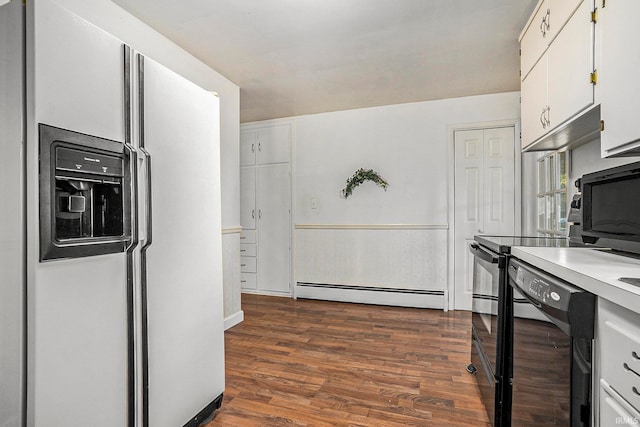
[253, 148]
[253, 214]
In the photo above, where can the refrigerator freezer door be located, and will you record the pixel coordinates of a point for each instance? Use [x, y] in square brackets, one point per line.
[77, 308]
[183, 285]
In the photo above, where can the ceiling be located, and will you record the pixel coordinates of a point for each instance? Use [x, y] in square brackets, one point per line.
[294, 57]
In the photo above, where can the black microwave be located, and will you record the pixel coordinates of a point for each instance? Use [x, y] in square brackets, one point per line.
[611, 207]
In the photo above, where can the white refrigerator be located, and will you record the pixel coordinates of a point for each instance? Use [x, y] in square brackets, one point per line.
[128, 338]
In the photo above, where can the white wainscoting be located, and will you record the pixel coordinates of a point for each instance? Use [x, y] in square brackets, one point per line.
[233, 313]
[389, 264]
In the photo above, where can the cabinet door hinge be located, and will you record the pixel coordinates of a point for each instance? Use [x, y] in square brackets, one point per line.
[594, 77]
[601, 125]
[594, 15]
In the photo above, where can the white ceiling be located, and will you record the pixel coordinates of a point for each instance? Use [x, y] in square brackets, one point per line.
[293, 57]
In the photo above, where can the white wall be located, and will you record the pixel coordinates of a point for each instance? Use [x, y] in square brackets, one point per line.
[376, 239]
[407, 144]
[129, 29]
[586, 159]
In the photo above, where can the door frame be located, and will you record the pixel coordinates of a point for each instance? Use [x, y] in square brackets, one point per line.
[449, 303]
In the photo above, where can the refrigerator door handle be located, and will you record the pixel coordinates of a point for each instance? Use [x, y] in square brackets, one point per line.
[134, 239]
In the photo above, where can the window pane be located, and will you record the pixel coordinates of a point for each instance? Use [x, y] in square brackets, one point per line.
[563, 177]
[541, 177]
[561, 208]
[550, 216]
[551, 170]
[541, 216]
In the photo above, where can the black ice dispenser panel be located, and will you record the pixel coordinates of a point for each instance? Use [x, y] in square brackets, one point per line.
[84, 195]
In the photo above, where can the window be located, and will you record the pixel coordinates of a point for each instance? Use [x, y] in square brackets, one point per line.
[552, 194]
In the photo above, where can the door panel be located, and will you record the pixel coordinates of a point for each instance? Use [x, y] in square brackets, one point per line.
[184, 262]
[273, 201]
[499, 181]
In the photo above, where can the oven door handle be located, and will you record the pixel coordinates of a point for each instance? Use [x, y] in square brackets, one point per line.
[483, 254]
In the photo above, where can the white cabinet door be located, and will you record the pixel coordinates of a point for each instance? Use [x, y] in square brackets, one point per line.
[248, 198]
[248, 148]
[570, 64]
[549, 18]
[534, 103]
[273, 144]
[560, 11]
[534, 41]
[618, 83]
[273, 201]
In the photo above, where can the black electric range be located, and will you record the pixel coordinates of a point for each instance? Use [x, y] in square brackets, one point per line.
[490, 318]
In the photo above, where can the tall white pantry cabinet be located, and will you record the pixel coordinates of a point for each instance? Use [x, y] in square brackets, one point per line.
[265, 208]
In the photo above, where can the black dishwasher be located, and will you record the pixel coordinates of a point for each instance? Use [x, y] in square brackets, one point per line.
[551, 345]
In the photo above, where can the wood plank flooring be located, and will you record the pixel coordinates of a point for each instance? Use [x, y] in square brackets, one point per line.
[317, 363]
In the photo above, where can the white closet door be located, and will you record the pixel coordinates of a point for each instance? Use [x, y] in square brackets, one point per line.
[273, 202]
[484, 197]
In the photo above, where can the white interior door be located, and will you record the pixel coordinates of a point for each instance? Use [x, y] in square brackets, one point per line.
[273, 202]
[184, 262]
[484, 198]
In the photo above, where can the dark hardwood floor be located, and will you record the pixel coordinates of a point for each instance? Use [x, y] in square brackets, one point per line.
[318, 363]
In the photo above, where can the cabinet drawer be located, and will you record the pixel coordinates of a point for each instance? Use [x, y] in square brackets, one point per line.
[247, 264]
[621, 360]
[618, 350]
[248, 236]
[248, 281]
[247, 249]
[614, 410]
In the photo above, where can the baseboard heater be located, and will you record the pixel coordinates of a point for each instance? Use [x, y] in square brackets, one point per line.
[370, 288]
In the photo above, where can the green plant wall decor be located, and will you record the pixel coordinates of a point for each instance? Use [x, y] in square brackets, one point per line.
[360, 176]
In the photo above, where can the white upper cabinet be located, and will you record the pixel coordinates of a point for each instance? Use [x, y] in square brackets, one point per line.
[265, 145]
[557, 66]
[618, 89]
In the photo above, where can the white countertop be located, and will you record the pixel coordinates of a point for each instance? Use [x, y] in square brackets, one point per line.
[593, 270]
